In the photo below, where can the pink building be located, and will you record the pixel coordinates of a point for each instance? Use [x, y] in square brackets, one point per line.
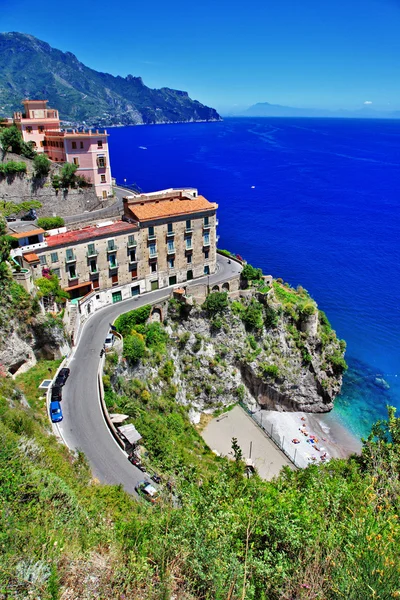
[35, 120]
[86, 149]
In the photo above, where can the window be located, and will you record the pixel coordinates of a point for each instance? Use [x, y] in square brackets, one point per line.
[93, 266]
[154, 285]
[206, 253]
[102, 178]
[116, 297]
[57, 272]
[206, 270]
[189, 259]
[171, 263]
[72, 272]
[43, 259]
[104, 194]
[151, 232]
[134, 273]
[54, 257]
[170, 247]
[91, 250]
[99, 144]
[101, 162]
[132, 256]
[69, 254]
[172, 280]
[135, 290]
[131, 241]
[73, 145]
[81, 145]
[41, 129]
[111, 245]
[206, 238]
[112, 261]
[206, 221]
[29, 129]
[188, 224]
[170, 228]
[189, 275]
[114, 279]
[153, 267]
[96, 285]
[76, 161]
[188, 243]
[153, 250]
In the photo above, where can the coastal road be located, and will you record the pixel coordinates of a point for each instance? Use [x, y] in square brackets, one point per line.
[84, 427]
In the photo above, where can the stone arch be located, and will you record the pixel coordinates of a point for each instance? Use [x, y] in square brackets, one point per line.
[225, 287]
[156, 314]
[215, 288]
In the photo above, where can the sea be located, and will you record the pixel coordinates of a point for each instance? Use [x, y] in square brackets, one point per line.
[314, 201]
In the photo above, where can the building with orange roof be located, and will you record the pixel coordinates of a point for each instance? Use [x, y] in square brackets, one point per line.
[164, 239]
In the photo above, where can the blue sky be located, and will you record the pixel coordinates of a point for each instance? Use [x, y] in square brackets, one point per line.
[308, 53]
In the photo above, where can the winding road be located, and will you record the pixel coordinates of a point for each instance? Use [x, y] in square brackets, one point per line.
[84, 427]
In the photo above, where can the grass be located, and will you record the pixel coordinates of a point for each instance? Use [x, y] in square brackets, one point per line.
[29, 382]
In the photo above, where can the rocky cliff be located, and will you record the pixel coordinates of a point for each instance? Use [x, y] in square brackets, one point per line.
[271, 348]
[31, 68]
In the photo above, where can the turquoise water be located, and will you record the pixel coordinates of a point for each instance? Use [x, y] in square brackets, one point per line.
[315, 201]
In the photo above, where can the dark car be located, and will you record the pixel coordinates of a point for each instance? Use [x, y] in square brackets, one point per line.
[56, 393]
[11, 218]
[56, 412]
[62, 377]
[30, 215]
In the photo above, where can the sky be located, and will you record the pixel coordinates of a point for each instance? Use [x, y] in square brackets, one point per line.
[230, 55]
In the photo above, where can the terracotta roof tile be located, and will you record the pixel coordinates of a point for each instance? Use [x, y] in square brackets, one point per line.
[30, 257]
[149, 211]
[24, 234]
[89, 233]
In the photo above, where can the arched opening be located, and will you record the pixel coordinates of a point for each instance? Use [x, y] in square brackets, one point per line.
[156, 315]
[215, 288]
[225, 287]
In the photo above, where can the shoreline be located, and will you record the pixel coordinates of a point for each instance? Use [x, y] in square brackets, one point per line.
[326, 438]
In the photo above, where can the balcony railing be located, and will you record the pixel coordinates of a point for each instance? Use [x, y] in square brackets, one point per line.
[113, 265]
[206, 242]
[153, 254]
[170, 249]
[131, 244]
[189, 247]
[70, 259]
[206, 225]
[73, 277]
[112, 249]
[90, 254]
[151, 236]
[170, 233]
[188, 229]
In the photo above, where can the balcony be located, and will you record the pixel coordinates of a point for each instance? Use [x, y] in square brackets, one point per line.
[206, 225]
[70, 258]
[170, 249]
[188, 247]
[151, 236]
[188, 229]
[131, 244]
[153, 255]
[112, 248]
[170, 233]
[92, 254]
[206, 243]
[73, 277]
[113, 266]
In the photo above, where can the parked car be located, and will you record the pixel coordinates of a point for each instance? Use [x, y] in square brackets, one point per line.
[11, 218]
[156, 478]
[56, 393]
[109, 341]
[136, 462]
[30, 215]
[147, 491]
[56, 412]
[62, 377]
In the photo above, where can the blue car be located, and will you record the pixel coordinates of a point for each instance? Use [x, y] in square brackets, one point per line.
[56, 412]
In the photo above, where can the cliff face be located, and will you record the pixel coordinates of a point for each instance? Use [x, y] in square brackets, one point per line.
[260, 349]
[31, 68]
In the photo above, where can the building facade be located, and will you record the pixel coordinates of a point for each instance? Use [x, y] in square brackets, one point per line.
[88, 150]
[35, 121]
[164, 239]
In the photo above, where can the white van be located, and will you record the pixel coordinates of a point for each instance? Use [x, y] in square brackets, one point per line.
[109, 341]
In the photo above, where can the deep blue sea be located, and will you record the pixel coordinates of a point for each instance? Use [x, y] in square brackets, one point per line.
[314, 201]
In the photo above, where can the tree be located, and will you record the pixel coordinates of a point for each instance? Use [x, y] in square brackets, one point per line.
[216, 302]
[68, 175]
[250, 273]
[49, 288]
[134, 347]
[252, 316]
[11, 141]
[41, 165]
[127, 321]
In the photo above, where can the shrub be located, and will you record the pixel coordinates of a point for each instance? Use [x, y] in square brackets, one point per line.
[166, 372]
[183, 340]
[197, 345]
[41, 165]
[337, 361]
[216, 302]
[156, 336]
[127, 321]
[252, 316]
[240, 392]
[12, 167]
[50, 222]
[271, 317]
[134, 348]
[250, 273]
[270, 371]
[56, 182]
[68, 175]
[225, 253]
[216, 323]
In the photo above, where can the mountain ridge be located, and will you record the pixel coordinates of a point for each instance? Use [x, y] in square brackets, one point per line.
[30, 67]
[265, 109]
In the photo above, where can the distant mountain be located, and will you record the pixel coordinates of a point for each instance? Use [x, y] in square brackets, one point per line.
[30, 68]
[264, 109]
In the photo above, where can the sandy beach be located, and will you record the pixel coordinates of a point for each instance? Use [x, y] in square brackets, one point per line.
[309, 437]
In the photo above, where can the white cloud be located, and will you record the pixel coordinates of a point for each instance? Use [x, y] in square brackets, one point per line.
[367, 102]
